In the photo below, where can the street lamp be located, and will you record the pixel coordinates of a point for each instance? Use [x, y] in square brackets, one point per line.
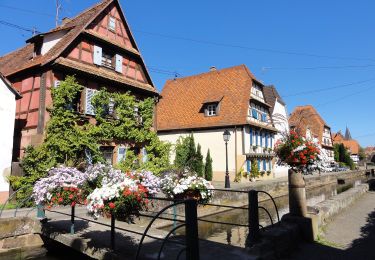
[226, 137]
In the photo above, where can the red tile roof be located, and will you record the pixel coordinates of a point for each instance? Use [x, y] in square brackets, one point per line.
[180, 106]
[22, 59]
[304, 117]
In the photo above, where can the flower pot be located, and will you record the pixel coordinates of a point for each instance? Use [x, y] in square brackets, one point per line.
[297, 193]
[189, 194]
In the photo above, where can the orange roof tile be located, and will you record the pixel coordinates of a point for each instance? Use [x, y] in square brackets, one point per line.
[304, 117]
[181, 103]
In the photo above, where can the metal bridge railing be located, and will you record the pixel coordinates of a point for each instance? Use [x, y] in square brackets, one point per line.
[189, 221]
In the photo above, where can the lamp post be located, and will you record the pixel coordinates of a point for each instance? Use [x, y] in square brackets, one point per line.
[226, 137]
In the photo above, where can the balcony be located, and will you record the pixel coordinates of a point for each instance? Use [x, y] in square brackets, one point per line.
[257, 151]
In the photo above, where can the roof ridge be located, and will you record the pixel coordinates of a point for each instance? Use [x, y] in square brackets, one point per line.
[84, 11]
[207, 73]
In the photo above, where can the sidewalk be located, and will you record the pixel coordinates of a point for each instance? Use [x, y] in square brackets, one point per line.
[351, 235]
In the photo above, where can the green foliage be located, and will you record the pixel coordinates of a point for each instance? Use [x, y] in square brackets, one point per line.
[182, 152]
[189, 157]
[342, 155]
[198, 162]
[131, 121]
[254, 173]
[361, 154]
[208, 167]
[70, 138]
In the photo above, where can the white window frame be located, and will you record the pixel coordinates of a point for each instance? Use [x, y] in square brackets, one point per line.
[112, 23]
[211, 110]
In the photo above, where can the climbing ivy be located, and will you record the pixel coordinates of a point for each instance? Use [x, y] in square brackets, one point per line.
[120, 116]
[71, 140]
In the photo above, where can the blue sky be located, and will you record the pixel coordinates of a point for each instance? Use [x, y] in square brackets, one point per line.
[321, 50]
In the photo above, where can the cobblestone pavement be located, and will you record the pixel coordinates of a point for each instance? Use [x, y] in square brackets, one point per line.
[351, 235]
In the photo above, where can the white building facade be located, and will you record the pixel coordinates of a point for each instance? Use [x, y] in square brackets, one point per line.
[280, 120]
[8, 98]
[206, 105]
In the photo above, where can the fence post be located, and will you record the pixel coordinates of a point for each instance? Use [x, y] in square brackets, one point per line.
[72, 220]
[253, 218]
[40, 214]
[192, 241]
[113, 218]
[174, 218]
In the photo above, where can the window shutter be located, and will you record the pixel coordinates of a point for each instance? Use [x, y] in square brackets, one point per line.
[266, 139]
[144, 155]
[256, 137]
[254, 113]
[97, 55]
[89, 109]
[251, 136]
[264, 165]
[118, 67]
[56, 83]
[258, 164]
[121, 154]
[261, 138]
[248, 166]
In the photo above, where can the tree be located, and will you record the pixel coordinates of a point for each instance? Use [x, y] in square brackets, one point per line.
[361, 154]
[208, 167]
[198, 165]
[186, 154]
[182, 152]
[342, 155]
[191, 155]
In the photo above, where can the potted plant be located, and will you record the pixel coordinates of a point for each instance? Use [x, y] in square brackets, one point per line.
[262, 173]
[62, 186]
[269, 150]
[184, 184]
[297, 152]
[119, 193]
[268, 173]
[255, 148]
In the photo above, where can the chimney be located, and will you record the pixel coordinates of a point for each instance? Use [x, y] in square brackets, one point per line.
[213, 68]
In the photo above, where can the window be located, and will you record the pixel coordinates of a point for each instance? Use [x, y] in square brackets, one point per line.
[112, 23]
[256, 91]
[121, 154]
[258, 112]
[107, 60]
[137, 116]
[107, 152]
[211, 110]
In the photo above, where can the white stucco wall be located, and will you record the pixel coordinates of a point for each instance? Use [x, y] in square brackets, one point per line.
[212, 139]
[280, 120]
[7, 115]
[50, 40]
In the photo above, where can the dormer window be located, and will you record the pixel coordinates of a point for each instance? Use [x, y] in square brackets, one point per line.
[211, 110]
[112, 23]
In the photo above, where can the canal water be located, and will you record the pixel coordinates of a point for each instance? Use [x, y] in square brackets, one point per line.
[236, 235]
